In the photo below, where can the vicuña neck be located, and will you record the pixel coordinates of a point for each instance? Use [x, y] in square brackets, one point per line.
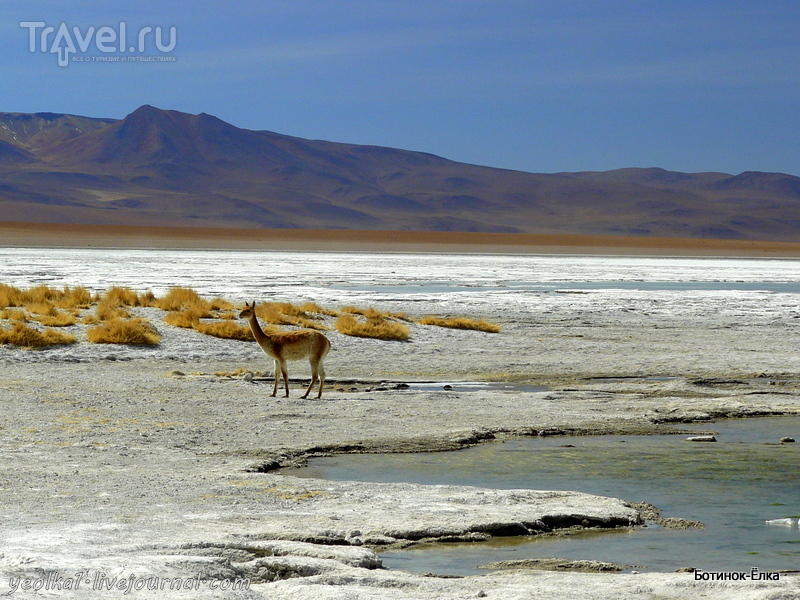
[258, 333]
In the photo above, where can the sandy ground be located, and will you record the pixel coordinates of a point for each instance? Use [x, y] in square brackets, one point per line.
[123, 468]
[17, 234]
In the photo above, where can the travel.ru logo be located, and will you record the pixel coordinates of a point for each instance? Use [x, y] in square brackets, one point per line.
[107, 41]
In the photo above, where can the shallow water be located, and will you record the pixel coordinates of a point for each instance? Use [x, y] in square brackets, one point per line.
[733, 486]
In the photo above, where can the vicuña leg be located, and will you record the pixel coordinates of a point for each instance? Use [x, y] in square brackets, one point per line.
[317, 374]
[280, 371]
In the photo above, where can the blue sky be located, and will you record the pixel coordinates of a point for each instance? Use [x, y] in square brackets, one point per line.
[542, 86]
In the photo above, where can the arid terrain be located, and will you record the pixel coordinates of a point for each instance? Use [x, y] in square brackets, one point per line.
[167, 168]
[144, 466]
[21, 234]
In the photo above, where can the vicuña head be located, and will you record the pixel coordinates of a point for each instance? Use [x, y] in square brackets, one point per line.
[290, 345]
[248, 311]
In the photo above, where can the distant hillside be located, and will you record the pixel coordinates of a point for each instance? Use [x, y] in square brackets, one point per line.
[160, 167]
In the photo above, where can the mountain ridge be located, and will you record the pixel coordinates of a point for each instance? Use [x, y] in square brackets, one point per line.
[178, 169]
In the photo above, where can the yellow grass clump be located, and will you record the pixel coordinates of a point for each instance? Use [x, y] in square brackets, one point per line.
[59, 319]
[228, 330]
[27, 337]
[187, 318]
[9, 296]
[106, 311]
[285, 313]
[52, 307]
[41, 294]
[44, 309]
[180, 298]
[91, 319]
[377, 328]
[147, 298]
[13, 314]
[135, 332]
[42, 303]
[460, 323]
[77, 297]
[67, 297]
[110, 305]
[374, 313]
[121, 296]
[313, 307]
[219, 304]
[239, 372]
[185, 308]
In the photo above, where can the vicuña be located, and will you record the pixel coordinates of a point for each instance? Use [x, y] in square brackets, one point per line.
[290, 345]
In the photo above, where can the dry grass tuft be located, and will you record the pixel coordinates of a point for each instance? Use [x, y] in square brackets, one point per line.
[285, 313]
[67, 297]
[78, 297]
[239, 372]
[112, 323]
[314, 308]
[378, 328]
[228, 330]
[90, 319]
[460, 323]
[106, 312]
[187, 318]
[121, 296]
[13, 314]
[147, 298]
[9, 296]
[180, 298]
[110, 305]
[373, 313]
[41, 294]
[306, 323]
[220, 304]
[27, 337]
[44, 309]
[59, 319]
[42, 303]
[186, 309]
[135, 332]
[271, 312]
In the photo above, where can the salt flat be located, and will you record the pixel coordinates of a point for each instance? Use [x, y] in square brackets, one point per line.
[147, 462]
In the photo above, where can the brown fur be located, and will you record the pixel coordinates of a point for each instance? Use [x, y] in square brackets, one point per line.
[290, 345]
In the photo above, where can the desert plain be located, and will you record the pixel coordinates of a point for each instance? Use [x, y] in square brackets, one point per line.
[123, 470]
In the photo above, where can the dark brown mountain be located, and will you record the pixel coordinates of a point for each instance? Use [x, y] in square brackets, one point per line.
[159, 167]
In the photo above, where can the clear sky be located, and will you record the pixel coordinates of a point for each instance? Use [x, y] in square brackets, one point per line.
[542, 86]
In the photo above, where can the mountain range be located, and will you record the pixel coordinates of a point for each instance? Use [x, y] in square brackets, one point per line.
[168, 168]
